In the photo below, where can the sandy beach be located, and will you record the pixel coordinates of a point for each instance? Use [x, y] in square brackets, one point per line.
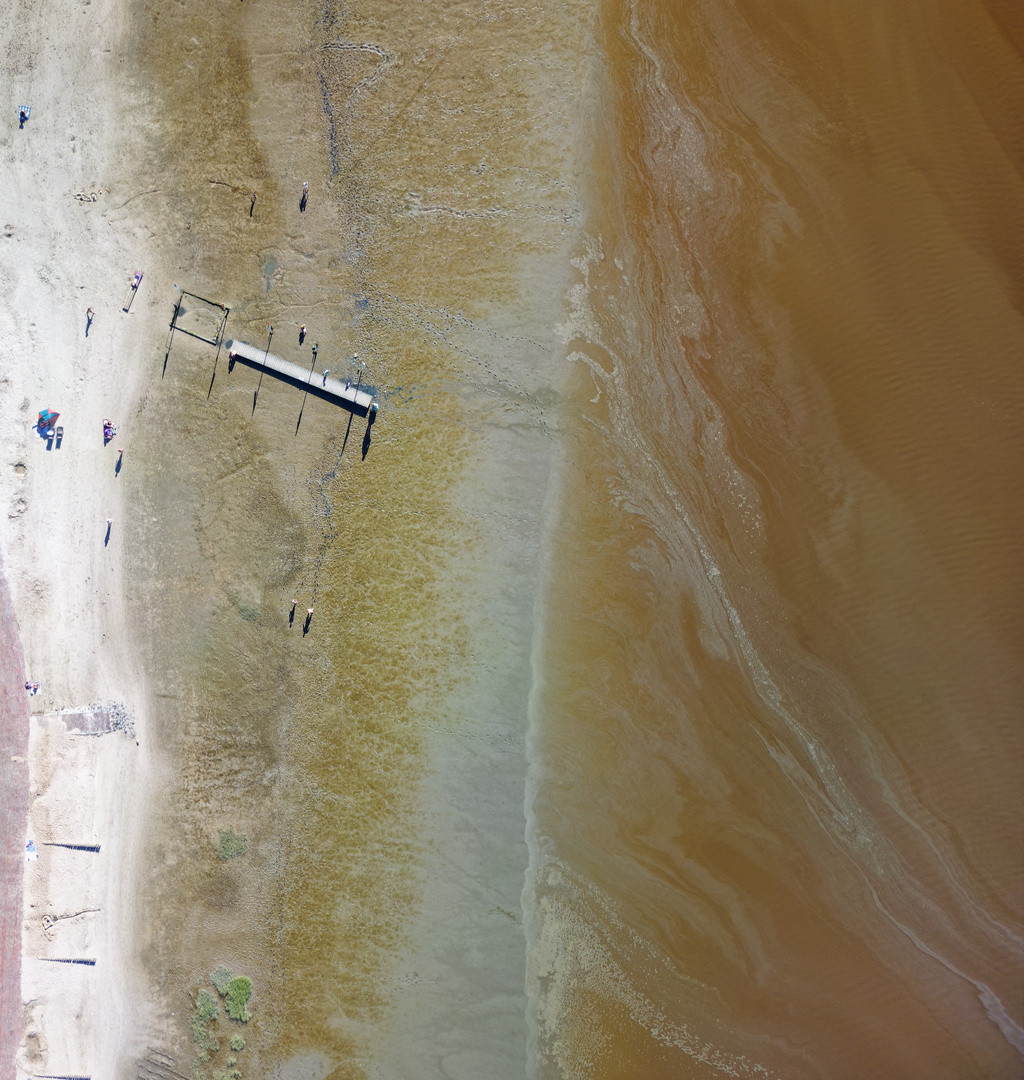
[70, 245]
[369, 762]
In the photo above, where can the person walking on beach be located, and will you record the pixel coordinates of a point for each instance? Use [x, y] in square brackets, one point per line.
[88, 320]
[326, 373]
[302, 333]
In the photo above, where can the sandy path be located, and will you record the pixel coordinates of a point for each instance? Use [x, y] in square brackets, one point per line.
[13, 810]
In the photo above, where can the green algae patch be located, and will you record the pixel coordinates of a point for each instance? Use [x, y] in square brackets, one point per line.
[239, 992]
[236, 991]
[206, 1013]
[229, 846]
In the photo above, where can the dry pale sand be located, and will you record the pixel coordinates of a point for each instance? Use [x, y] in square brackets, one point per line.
[65, 246]
[14, 796]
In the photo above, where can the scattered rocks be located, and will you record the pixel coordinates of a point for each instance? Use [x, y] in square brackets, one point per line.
[121, 719]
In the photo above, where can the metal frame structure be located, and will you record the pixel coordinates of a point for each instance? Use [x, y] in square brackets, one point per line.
[219, 336]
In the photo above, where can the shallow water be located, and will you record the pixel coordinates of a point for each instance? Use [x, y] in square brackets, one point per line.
[776, 755]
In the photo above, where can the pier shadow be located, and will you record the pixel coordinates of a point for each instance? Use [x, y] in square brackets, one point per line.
[216, 360]
[306, 394]
[344, 442]
[366, 435]
[256, 392]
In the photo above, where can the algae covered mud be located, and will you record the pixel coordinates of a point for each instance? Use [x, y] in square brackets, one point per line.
[777, 746]
[341, 814]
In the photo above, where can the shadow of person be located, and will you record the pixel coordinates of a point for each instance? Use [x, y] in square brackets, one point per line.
[302, 203]
[106, 539]
[291, 618]
[305, 625]
[88, 324]
[117, 466]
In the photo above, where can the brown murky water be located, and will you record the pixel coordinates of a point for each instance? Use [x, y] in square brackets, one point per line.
[777, 742]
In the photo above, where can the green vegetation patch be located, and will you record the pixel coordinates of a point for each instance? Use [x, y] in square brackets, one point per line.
[238, 993]
[235, 990]
[230, 846]
[207, 1011]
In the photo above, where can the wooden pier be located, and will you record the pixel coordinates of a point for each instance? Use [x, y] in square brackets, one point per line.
[348, 395]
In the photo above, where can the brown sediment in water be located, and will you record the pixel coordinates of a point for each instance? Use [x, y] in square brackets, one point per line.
[782, 641]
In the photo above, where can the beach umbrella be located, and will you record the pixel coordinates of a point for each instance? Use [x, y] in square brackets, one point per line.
[47, 418]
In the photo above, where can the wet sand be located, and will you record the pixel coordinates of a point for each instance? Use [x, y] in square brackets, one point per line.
[375, 764]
